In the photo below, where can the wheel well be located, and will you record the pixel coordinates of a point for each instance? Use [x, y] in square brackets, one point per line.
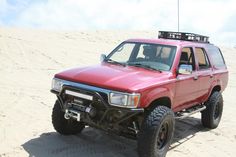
[216, 88]
[163, 101]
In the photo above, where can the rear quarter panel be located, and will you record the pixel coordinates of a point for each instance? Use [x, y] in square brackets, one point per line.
[220, 78]
[220, 74]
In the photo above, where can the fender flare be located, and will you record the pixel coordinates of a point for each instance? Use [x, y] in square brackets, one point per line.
[156, 94]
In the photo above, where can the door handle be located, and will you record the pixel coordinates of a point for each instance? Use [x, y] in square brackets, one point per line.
[195, 77]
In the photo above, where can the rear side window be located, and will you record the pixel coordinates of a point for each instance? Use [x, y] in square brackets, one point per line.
[202, 58]
[217, 58]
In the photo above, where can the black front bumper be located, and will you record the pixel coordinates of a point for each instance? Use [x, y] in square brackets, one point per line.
[100, 103]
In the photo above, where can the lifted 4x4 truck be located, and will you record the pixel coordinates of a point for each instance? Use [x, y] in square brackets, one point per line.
[141, 87]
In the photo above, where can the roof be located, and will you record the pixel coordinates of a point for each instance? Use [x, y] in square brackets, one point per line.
[166, 42]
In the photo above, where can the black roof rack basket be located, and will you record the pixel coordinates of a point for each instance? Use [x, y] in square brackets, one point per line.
[183, 36]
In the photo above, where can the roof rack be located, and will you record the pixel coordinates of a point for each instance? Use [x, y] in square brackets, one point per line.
[183, 36]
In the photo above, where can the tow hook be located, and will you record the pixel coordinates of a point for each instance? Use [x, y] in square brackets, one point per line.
[66, 115]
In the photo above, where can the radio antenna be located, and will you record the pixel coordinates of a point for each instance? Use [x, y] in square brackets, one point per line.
[178, 15]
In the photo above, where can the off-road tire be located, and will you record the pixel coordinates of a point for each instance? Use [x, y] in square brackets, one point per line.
[211, 116]
[151, 132]
[62, 125]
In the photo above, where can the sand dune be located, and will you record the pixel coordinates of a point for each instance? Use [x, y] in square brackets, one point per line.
[30, 58]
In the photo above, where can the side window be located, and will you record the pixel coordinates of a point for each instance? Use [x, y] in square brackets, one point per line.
[216, 56]
[202, 58]
[187, 57]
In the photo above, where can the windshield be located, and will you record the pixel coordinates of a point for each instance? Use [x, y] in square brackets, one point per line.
[152, 56]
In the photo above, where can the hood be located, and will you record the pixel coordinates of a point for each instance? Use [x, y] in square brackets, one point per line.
[115, 77]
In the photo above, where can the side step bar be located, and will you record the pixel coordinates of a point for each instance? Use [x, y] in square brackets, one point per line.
[189, 112]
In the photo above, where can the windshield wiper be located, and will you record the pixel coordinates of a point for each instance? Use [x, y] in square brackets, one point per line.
[144, 66]
[115, 62]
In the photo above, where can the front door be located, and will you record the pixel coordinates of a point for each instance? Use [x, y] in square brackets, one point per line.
[187, 85]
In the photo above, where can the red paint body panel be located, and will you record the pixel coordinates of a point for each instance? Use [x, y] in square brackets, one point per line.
[115, 77]
[182, 90]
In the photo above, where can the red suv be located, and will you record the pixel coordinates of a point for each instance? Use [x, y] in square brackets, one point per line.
[141, 87]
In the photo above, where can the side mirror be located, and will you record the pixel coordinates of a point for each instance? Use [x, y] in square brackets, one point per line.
[102, 57]
[185, 69]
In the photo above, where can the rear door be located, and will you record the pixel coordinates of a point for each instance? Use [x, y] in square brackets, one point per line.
[204, 73]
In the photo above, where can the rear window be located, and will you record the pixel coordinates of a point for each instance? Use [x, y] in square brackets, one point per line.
[216, 55]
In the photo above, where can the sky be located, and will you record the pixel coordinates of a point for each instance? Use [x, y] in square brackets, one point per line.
[214, 18]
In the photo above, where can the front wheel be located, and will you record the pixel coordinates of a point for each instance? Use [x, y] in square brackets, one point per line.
[212, 115]
[156, 132]
[62, 125]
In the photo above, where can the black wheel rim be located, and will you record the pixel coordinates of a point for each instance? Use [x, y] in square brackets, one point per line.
[162, 136]
[217, 111]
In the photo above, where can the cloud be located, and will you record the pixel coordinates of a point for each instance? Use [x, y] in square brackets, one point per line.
[102, 14]
[216, 18]
[10, 9]
[209, 17]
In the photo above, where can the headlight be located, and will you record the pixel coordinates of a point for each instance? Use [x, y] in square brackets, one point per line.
[57, 84]
[124, 100]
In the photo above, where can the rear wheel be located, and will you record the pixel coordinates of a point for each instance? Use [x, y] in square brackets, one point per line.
[156, 133]
[62, 125]
[212, 115]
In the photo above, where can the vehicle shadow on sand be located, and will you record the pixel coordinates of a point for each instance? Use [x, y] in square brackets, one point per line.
[94, 143]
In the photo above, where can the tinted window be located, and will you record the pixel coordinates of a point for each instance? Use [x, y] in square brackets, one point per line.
[187, 57]
[203, 61]
[217, 58]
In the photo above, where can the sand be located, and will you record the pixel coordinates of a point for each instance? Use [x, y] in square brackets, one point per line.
[30, 58]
